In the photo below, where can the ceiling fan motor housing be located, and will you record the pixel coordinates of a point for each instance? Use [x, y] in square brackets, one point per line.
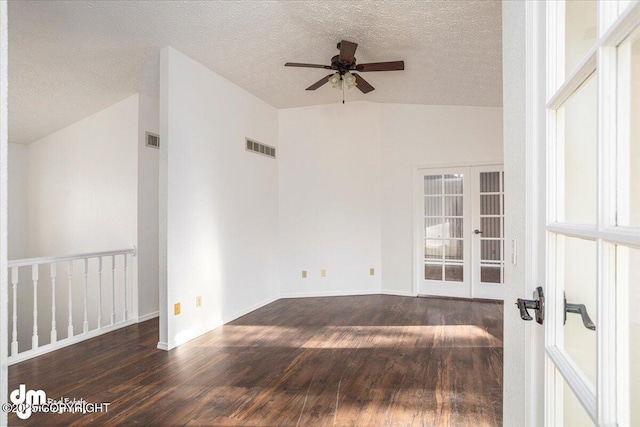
[341, 67]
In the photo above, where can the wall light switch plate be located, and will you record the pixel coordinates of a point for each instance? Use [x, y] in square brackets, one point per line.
[304, 274]
[323, 273]
[372, 271]
[176, 308]
[198, 301]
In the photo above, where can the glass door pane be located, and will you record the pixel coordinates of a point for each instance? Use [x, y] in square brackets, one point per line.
[573, 413]
[628, 213]
[576, 276]
[628, 290]
[577, 138]
[580, 31]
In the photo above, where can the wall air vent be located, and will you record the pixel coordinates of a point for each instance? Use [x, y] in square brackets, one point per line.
[153, 140]
[258, 147]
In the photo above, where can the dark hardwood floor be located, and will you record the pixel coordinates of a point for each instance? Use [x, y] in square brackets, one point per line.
[350, 361]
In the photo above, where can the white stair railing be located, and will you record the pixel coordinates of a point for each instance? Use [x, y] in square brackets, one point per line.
[120, 293]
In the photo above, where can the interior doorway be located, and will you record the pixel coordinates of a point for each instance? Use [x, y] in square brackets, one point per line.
[459, 232]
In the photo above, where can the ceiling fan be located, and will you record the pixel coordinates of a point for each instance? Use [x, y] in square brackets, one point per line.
[343, 65]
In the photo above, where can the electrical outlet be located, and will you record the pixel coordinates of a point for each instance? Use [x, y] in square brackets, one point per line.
[372, 271]
[323, 273]
[176, 308]
[304, 274]
[198, 301]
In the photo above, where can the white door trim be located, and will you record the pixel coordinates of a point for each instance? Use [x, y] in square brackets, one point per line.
[535, 132]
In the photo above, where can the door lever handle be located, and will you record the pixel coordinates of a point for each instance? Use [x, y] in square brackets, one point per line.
[476, 231]
[580, 309]
[523, 304]
[535, 304]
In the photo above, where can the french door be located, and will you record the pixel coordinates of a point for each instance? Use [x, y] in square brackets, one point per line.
[460, 232]
[592, 232]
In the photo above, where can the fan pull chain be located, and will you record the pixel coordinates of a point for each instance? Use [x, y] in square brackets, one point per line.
[342, 89]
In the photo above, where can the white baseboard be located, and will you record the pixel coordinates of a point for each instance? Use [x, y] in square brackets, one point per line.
[148, 316]
[211, 326]
[330, 293]
[398, 293]
[240, 313]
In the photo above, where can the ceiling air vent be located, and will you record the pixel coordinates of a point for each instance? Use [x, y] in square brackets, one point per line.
[153, 140]
[257, 147]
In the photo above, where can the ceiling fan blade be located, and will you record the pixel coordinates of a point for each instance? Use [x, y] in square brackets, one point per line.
[296, 64]
[362, 84]
[381, 66]
[347, 51]
[319, 83]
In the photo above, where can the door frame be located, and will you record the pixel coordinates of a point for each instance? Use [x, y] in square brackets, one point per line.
[524, 142]
[533, 365]
[418, 207]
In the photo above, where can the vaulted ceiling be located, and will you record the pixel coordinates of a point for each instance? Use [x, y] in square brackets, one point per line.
[70, 59]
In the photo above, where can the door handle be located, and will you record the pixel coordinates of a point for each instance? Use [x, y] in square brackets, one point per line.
[536, 304]
[580, 309]
[476, 231]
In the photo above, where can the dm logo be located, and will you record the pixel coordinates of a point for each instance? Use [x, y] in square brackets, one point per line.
[25, 400]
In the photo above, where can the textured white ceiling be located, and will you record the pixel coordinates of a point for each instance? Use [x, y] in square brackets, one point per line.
[70, 59]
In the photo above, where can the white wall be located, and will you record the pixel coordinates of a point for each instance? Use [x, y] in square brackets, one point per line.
[221, 201]
[329, 168]
[424, 135]
[346, 188]
[82, 185]
[17, 201]
[148, 226]
[4, 301]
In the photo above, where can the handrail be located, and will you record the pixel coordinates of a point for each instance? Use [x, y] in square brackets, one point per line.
[47, 260]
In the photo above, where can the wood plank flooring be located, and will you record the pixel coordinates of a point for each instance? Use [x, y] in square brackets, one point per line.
[350, 361]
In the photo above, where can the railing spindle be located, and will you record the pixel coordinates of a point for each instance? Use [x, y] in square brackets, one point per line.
[70, 276]
[113, 289]
[34, 277]
[100, 292]
[14, 283]
[126, 305]
[54, 332]
[85, 324]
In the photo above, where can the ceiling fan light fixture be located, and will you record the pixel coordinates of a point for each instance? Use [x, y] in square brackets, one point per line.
[349, 80]
[336, 81]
